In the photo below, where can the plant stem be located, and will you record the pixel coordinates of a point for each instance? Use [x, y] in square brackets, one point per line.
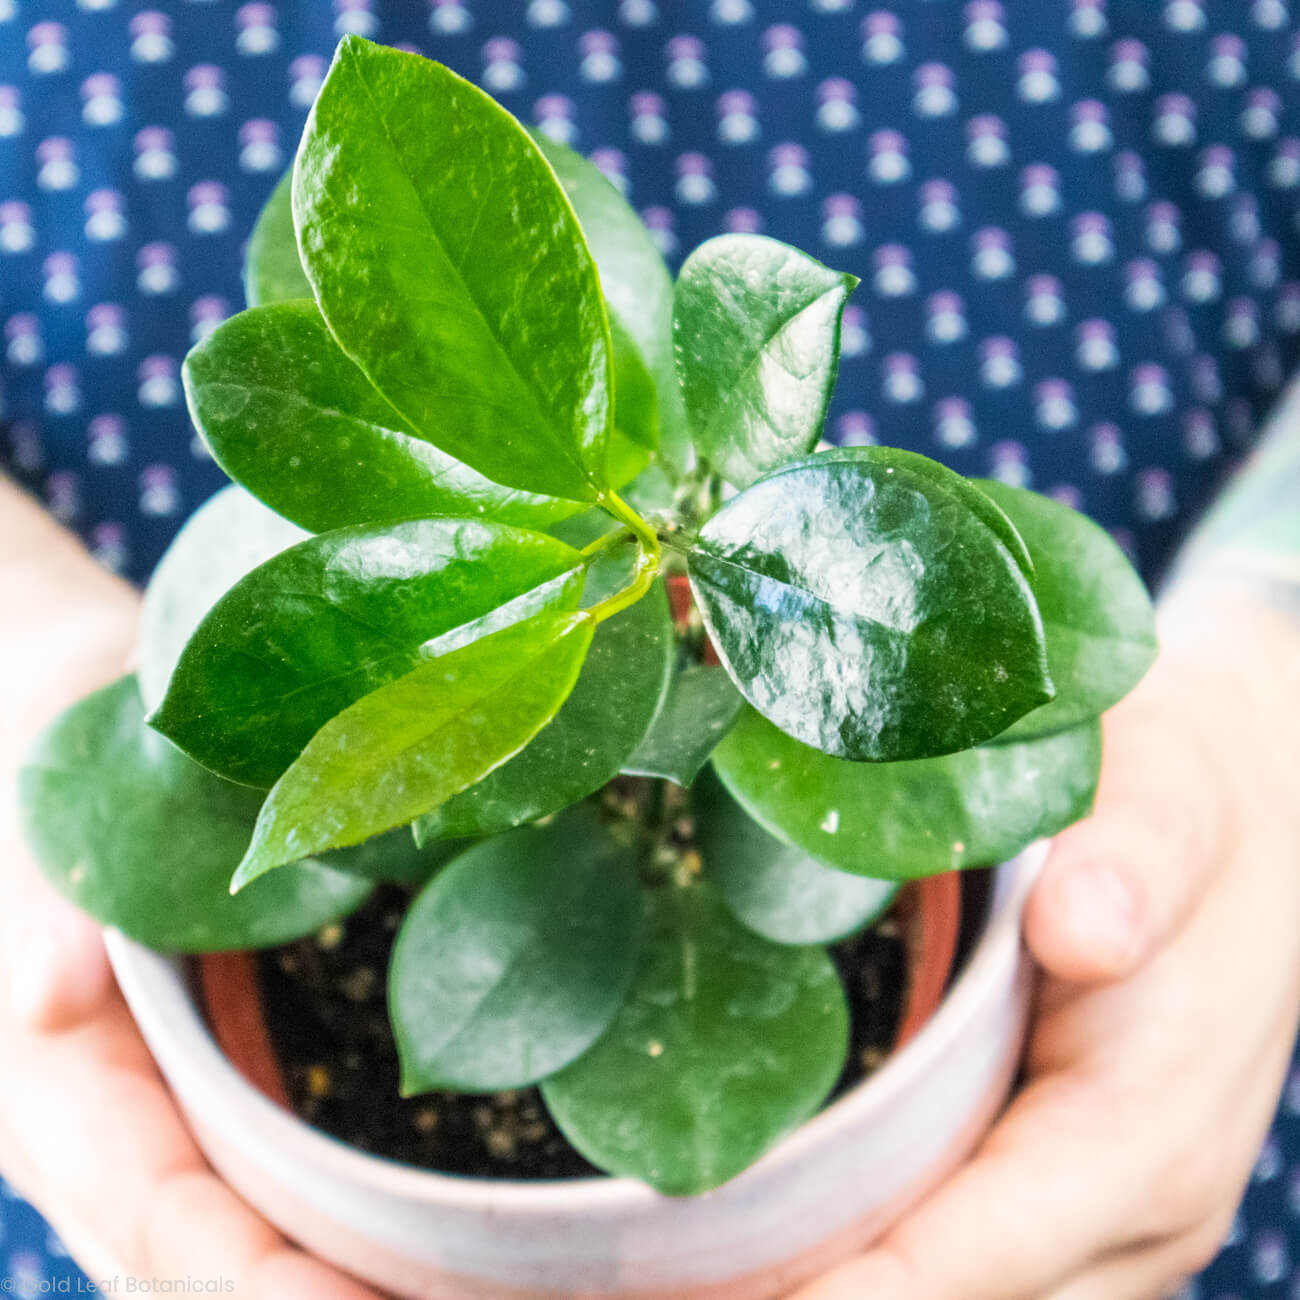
[647, 565]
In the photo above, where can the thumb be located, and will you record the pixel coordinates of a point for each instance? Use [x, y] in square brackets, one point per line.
[1118, 885]
[58, 974]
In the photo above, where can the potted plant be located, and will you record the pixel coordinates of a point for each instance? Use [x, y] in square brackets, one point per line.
[553, 614]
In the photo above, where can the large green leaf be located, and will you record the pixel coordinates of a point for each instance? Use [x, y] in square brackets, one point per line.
[635, 281]
[726, 1042]
[979, 503]
[868, 611]
[697, 711]
[288, 415]
[622, 682]
[451, 268]
[272, 269]
[772, 887]
[410, 745]
[515, 959]
[756, 329]
[322, 624]
[1100, 625]
[226, 537]
[142, 838]
[901, 820]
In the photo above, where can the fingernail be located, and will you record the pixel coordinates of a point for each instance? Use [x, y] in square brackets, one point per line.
[1102, 915]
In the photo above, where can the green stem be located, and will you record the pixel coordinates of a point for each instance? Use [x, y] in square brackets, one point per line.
[604, 542]
[647, 565]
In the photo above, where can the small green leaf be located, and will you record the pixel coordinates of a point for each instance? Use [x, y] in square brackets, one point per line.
[1100, 625]
[622, 682]
[451, 268]
[698, 710]
[225, 538]
[415, 742]
[394, 857]
[322, 624]
[133, 832]
[288, 415]
[772, 887]
[901, 820]
[272, 269]
[726, 1042]
[868, 611]
[756, 330]
[515, 959]
[635, 282]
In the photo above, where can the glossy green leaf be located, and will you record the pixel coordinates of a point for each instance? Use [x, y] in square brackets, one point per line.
[725, 1043]
[1100, 624]
[451, 268]
[272, 269]
[698, 710]
[225, 538]
[394, 857]
[868, 611]
[635, 281]
[320, 625]
[901, 820]
[140, 837]
[412, 744]
[756, 330]
[515, 959]
[288, 415]
[617, 695]
[772, 887]
[979, 503]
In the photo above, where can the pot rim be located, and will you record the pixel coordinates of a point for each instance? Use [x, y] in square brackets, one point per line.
[200, 1073]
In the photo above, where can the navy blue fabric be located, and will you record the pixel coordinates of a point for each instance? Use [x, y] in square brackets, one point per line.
[1076, 226]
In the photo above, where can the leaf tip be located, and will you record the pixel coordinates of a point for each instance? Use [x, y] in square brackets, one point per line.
[248, 870]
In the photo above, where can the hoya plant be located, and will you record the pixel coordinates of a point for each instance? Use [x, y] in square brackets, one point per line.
[539, 597]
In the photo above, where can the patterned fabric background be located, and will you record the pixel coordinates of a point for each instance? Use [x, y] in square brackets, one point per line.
[1076, 224]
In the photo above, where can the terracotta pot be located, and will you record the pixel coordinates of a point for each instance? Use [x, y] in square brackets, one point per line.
[928, 910]
[819, 1195]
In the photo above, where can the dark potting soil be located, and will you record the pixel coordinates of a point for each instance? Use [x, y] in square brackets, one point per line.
[325, 1008]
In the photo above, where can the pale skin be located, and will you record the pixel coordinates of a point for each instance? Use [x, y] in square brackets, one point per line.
[1165, 924]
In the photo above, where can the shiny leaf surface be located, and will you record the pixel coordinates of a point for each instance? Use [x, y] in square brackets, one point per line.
[322, 624]
[225, 538]
[617, 695]
[516, 958]
[136, 834]
[451, 269]
[902, 820]
[635, 281]
[980, 504]
[272, 269]
[725, 1043]
[1099, 621]
[288, 415]
[868, 611]
[410, 745]
[756, 330]
[772, 887]
[698, 710]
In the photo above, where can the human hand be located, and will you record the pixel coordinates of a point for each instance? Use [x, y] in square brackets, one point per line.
[88, 1131]
[1166, 927]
